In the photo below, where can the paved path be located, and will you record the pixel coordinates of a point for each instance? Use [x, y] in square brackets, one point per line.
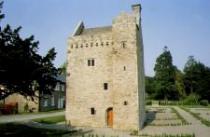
[199, 129]
[27, 117]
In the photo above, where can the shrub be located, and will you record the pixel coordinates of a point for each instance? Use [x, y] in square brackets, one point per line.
[148, 102]
[204, 102]
[192, 99]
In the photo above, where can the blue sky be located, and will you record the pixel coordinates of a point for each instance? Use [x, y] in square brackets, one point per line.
[182, 25]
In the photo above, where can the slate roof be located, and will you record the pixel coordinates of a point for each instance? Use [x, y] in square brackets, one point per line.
[98, 30]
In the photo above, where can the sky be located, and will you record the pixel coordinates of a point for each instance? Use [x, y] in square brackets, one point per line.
[181, 25]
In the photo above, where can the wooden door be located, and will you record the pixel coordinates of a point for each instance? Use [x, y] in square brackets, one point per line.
[110, 117]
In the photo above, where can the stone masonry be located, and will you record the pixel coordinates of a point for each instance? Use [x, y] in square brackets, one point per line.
[105, 74]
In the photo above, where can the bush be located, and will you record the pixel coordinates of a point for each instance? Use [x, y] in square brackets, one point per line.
[192, 99]
[204, 102]
[148, 102]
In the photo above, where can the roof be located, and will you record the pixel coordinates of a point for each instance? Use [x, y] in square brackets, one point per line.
[61, 78]
[98, 30]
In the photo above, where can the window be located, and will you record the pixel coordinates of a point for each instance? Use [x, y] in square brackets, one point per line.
[45, 103]
[91, 62]
[125, 103]
[92, 111]
[57, 87]
[62, 87]
[124, 44]
[52, 101]
[124, 68]
[105, 86]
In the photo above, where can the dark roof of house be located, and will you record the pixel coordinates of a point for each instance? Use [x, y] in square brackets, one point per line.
[61, 78]
[92, 31]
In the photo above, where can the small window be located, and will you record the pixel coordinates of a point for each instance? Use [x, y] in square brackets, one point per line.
[125, 103]
[105, 86]
[124, 68]
[86, 45]
[91, 44]
[52, 101]
[96, 44]
[72, 46]
[92, 111]
[81, 46]
[91, 62]
[102, 43]
[45, 103]
[107, 43]
[124, 44]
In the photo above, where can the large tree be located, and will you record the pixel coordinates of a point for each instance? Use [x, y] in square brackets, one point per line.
[165, 76]
[22, 69]
[197, 78]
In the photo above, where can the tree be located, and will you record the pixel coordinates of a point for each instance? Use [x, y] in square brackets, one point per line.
[22, 69]
[197, 78]
[165, 76]
[179, 82]
[62, 68]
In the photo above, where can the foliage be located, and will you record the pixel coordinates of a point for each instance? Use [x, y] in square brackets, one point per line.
[148, 102]
[197, 78]
[62, 68]
[192, 99]
[204, 102]
[165, 73]
[150, 86]
[22, 69]
[179, 82]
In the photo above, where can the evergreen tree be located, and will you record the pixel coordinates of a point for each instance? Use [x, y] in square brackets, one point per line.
[165, 76]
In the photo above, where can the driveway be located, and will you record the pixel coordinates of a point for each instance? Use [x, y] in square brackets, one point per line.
[28, 117]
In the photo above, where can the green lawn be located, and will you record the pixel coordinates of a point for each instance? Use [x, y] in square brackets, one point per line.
[20, 130]
[50, 120]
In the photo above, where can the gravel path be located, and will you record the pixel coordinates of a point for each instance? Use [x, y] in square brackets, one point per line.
[27, 117]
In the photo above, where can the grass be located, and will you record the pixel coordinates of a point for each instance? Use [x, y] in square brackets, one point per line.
[50, 120]
[43, 112]
[20, 130]
[197, 116]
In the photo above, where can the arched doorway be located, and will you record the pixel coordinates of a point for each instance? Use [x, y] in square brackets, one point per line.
[109, 117]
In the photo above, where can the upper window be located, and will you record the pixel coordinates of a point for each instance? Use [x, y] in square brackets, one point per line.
[91, 62]
[92, 111]
[105, 86]
[124, 44]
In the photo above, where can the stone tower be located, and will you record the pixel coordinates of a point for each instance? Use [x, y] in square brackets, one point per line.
[105, 74]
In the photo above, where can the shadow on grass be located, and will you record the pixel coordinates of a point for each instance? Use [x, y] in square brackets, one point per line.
[20, 130]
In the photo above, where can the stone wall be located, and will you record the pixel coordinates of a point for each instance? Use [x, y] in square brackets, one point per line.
[118, 55]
